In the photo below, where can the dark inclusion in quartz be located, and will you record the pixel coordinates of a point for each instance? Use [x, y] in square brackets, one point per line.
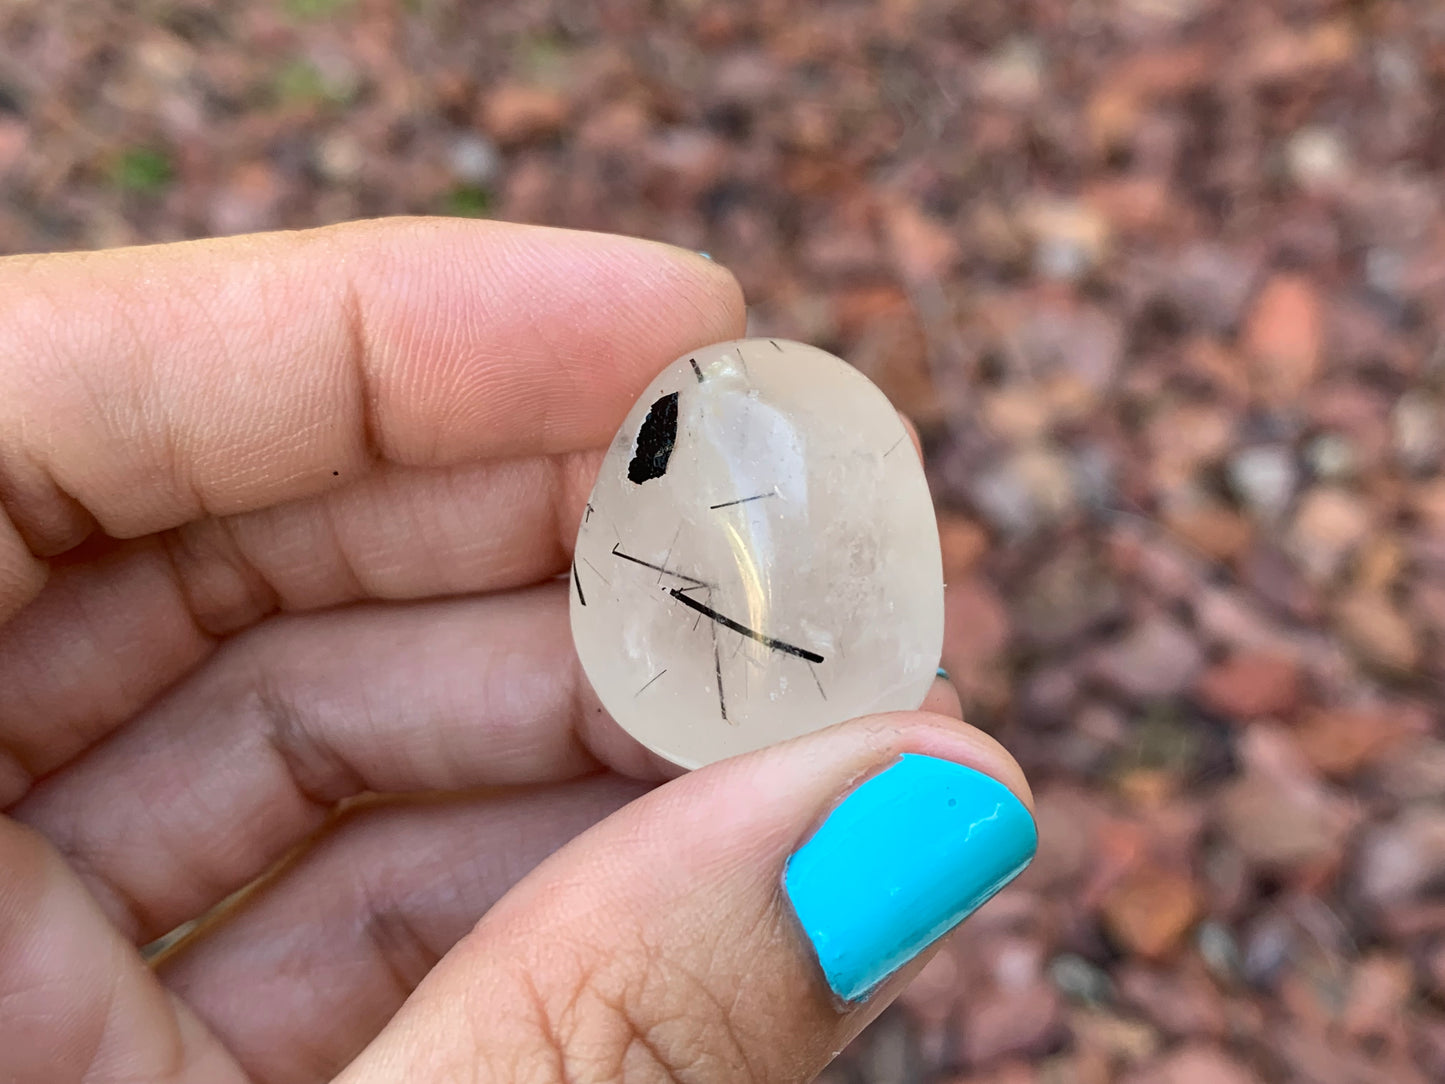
[655, 439]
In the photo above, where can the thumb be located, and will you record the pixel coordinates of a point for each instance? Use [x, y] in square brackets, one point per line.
[742, 922]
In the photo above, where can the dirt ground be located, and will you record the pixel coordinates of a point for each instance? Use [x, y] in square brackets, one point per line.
[1161, 283]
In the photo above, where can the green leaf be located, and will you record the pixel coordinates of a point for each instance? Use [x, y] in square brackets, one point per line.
[469, 201]
[143, 170]
[300, 82]
[315, 9]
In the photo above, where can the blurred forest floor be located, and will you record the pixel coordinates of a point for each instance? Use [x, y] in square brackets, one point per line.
[1161, 283]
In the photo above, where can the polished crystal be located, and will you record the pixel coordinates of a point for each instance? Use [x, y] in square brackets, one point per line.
[759, 557]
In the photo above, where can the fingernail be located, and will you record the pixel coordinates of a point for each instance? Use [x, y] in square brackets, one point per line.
[943, 674]
[904, 858]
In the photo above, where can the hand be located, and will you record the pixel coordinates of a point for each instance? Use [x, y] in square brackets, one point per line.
[280, 521]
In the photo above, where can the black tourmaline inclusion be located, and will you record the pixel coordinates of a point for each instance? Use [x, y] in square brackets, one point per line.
[654, 441]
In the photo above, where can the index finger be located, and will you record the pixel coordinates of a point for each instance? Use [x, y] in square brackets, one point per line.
[146, 388]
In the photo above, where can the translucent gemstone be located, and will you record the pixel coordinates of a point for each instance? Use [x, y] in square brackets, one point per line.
[759, 558]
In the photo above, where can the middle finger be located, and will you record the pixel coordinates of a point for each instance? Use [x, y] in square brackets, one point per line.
[245, 759]
[105, 638]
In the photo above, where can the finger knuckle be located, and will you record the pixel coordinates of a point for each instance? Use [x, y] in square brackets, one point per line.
[22, 574]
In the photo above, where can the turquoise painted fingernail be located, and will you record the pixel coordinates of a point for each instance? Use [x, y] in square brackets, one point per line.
[904, 858]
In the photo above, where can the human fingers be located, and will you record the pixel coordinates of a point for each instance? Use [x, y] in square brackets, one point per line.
[243, 761]
[942, 698]
[312, 965]
[76, 1001]
[741, 922]
[203, 791]
[214, 377]
[111, 632]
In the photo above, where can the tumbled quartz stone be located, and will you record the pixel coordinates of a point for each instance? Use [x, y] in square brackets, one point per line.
[759, 558]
